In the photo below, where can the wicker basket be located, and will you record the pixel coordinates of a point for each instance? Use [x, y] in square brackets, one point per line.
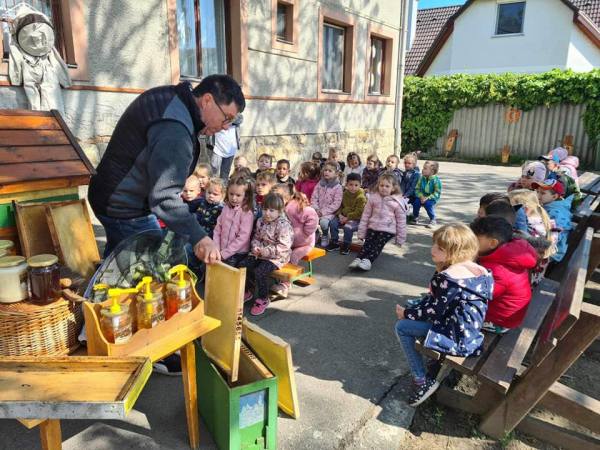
[32, 330]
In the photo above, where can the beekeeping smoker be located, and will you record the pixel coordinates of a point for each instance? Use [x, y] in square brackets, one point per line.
[35, 62]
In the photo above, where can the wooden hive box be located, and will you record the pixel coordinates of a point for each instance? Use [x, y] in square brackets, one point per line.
[40, 161]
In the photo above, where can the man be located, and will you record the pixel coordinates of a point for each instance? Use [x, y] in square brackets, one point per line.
[222, 148]
[152, 151]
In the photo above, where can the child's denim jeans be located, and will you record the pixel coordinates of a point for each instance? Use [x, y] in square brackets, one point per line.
[407, 331]
[349, 228]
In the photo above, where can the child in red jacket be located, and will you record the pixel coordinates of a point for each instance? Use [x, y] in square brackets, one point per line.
[509, 260]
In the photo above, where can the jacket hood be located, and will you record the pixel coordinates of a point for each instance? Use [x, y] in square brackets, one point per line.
[560, 204]
[400, 200]
[331, 183]
[517, 254]
[537, 242]
[571, 161]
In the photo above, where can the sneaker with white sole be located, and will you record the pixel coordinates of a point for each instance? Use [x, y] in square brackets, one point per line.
[365, 264]
[170, 366]
[324, 241]
[432, 223]
[248, 296]
[259, 306]
[281, 289]
[354, 264]
[492, 328]
[422, 391]
[333, 246]
[345, 249]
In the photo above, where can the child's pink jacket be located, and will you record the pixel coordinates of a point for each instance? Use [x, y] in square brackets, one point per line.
[306, 187]
[275, 239]
[385, 214]
[233, 231]
[327, 199]
[304, 223]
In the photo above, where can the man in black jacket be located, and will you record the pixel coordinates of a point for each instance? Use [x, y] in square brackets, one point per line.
[153, 150]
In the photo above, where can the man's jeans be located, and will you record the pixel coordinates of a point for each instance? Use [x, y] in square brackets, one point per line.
[406, 331]
[118, 230]
[220, 166]
[349, 228]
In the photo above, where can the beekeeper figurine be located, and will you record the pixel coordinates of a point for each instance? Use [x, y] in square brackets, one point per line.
[35, 62]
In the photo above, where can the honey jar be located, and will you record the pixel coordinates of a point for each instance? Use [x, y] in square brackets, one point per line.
[44, 279]
[179, 294]
[13, 279]
[150, 311]
[7, 246]
[115, 324]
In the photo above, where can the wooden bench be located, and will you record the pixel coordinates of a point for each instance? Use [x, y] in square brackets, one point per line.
[294, 273]
[509, 390]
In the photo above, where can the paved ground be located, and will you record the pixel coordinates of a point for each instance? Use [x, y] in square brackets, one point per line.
[350, 373]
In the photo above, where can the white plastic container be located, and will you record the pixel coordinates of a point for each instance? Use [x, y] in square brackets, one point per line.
[13, 279]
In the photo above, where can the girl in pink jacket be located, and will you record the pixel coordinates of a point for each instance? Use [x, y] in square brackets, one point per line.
[308, 177]
[305, 222]
[327, 198]
[234, 226]
[270, 249]
[383, 218]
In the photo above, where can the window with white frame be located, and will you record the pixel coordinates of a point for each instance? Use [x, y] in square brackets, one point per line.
[510, 18]
[333, 58]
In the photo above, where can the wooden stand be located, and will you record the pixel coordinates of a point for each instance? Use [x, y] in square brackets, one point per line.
[450, 141]
[505, 154]
[567, 144]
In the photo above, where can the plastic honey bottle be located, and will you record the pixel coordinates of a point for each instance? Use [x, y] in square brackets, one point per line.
[179, 294]
[115, 320]
[150, 306]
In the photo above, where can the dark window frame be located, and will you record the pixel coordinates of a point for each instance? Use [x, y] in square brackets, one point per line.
[497, 29]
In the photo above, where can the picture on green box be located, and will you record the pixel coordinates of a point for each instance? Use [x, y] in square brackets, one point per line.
[253, 409]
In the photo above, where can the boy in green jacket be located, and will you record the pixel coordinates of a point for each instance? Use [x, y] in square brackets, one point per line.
[427, 193]
[349, 214]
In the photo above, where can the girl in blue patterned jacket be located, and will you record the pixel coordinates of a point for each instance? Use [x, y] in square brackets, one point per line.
[449, 319]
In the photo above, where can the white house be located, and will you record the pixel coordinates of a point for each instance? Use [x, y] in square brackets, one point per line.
[530, 36]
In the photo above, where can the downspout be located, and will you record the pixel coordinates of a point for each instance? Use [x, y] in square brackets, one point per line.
[400, 76]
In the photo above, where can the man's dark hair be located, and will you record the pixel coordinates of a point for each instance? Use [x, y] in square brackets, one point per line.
[224, 90]
[494, 227]
[284, 161]
[502, 209]
[492, 197]
[353, 177]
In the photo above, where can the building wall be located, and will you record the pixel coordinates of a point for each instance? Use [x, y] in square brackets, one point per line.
[550, 40]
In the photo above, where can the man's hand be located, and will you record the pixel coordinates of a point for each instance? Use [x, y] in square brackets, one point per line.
[207, 251]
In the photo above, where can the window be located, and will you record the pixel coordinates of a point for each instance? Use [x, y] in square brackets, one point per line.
[337, 45]
[376, 72]
[382, 56]
[284, 25]
[510, 18]
[201, 37]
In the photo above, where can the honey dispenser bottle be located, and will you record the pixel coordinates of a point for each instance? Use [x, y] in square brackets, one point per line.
[179, 294]
[115, 320]
[150, 306]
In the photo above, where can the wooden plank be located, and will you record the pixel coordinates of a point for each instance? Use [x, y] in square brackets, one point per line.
[74, 142]
[16, 173]
[31, 423]
[250, 358]
[277, 355]
[24, 112]
[28, 123]
[73, 235]
[39, 185]
[557, 436]
[585, 209]
[306, 281]
[573, 405]
[502, 364]
[34, 234]
[28, 197]
[585, 178]
[594, 260]
[287, 272]
[33, 137]
[190, 393]
[224, 300]
[51, 435]
[314, 254]
[28, 154]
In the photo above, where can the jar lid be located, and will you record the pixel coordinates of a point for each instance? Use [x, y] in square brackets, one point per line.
[12, 261]
[3, 253]
[42, 260]
[106, 311]
[156, 295]
[176, 287]
[5, 245]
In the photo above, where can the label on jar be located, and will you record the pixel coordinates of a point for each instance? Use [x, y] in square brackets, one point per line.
[123, 335]
[185, 307]
[23, 281]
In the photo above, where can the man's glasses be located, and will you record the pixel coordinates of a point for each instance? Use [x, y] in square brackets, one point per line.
[227, 121]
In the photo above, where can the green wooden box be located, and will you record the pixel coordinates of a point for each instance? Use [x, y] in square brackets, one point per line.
[242, 417]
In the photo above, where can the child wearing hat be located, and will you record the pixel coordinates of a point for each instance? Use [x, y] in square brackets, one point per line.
[567, 164]
[555, 172]
[559, 210]
[532, 172]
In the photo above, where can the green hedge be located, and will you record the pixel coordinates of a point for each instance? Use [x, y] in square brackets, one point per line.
[430, 102]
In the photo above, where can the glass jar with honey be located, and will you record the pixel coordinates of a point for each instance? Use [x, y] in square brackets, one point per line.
[115, 320]
[150, 306]
[44, 279]
[179, 294]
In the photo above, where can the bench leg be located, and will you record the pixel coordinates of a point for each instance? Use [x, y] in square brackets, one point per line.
[529, 389]
[594, 259]
[188, 368]
[50, 434]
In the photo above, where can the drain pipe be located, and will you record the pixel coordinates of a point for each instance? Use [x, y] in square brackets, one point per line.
[400, 76]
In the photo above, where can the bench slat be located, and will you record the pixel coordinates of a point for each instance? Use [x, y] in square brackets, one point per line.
[588, 183]
[314, 254]
[287, 272]
[503, 363]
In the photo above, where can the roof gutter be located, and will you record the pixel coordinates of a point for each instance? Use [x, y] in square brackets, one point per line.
[400, 77]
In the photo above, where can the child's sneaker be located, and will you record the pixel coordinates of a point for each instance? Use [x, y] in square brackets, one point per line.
[422, 391]
[324, 241]
[412, 220]
[259, 306]
[432, 223]
[281, 289]
[354, 264]
[414, 302]
[344, 249]
[333, 246]
[248, 296]
[365, 265]
[490, 327]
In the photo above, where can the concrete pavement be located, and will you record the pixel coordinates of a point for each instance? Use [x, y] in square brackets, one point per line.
[351, 376]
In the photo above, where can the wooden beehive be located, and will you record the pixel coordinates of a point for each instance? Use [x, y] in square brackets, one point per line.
[40, 161]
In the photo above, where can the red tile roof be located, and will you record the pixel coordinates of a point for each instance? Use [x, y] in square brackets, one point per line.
[429, 24]
[590, 7]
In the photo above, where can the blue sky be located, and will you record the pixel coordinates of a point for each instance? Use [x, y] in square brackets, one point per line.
[424, 4]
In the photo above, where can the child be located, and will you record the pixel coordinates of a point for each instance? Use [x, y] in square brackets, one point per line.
[427, 193]
[239, 161]
[450, 317]
[335, 154]
[354, 165]
[192, 193]
[210, 206]
[539, 230]
[411, 175]
[264, 182]
[265, 161]
[503, 209]
[569, 184]
[304, 220]
[270, 249]
[283, 172]
[487, 199]
[308, 178]
[370, 175]
[383, 218]
[317, 159]
[349, 214]
[567, 164]
[531, 172]
[242, 172]
[327, 198]
[234, 226]
[509, 261]
[549, 194]
[391, 165]
[203, 172]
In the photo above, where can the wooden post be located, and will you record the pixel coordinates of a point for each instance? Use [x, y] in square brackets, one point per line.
[50, 433]
[188, 368]
[529, 389]
[505, 154]
[450, 141]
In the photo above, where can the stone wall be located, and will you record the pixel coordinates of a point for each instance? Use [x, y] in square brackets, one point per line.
[299, 148]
